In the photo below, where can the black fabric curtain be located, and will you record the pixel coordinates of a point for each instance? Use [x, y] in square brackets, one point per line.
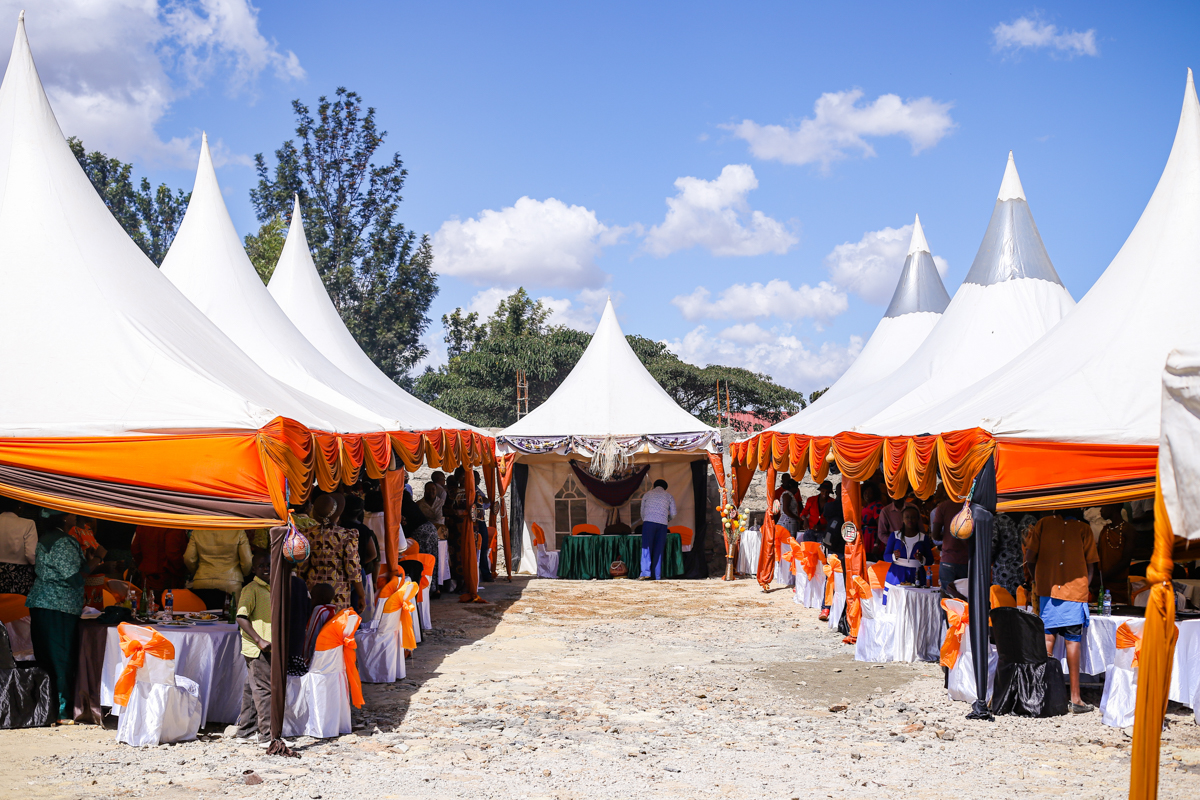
[695, 563]
[516, 504]
[983, 514]
[612, 493]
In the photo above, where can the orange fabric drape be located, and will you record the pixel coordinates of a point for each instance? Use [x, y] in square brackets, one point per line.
[767, 550]
[408, 636]
[12, 607]
[135, 650]
[504, 464]
[856, 554]
[832, 567]
[1126, 639]
[958, 621]
[489, 478]
[339, 632]
[470, 558]
[1155, 660]
[742, 475]
[718, 466]
[392, 489]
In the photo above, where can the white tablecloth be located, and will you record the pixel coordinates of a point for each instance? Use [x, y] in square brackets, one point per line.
[443, 561]
[211, 655]
[919, 630]
[747, 560]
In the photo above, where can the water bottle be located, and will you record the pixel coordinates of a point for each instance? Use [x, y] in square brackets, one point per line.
[169, 602]
[1106, 604]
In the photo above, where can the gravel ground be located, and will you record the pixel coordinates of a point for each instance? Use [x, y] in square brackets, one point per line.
[581, 690]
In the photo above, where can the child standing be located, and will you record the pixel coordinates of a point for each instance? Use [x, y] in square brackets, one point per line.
[254, 619]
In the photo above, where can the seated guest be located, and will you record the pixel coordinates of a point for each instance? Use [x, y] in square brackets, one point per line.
[18, 549]
[158, 555]
[323, 609]
[909, 550]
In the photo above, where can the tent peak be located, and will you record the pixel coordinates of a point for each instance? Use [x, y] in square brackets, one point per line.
[918, 243]
[1010, 187]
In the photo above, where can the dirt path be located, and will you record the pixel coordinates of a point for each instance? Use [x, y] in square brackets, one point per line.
[601, 689]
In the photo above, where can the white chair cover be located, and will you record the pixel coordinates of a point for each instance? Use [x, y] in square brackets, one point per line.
[783, 572]
[318, 703]
[876, 633]
[960, 683]
[162, 707]
[810, 593]
[1119, 701]
[424, 608]
[547, 562]
[379, 648]
[838, 602]
[747, 559]
[20, 639]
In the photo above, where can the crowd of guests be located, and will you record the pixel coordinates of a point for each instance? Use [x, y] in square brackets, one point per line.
[62, 563]
[1062, 559]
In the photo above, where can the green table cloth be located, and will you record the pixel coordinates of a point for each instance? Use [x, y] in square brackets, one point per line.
[589, 557]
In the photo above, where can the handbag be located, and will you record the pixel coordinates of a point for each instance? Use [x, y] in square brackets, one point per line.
[963, 524]
[618, 569]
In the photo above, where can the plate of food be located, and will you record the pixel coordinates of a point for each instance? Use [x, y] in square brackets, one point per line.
[177, 623]
[201, 616]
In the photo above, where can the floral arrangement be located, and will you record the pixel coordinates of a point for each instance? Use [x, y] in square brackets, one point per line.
[733, 524]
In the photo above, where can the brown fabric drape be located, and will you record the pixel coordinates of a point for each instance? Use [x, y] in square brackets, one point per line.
[856, 555]
[280, 579]
[1155, 660]
[767, 553]
[470, 557]
[504, 466]
[392, 489]
[489, 479]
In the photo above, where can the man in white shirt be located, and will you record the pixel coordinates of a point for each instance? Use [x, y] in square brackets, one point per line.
[658, 507]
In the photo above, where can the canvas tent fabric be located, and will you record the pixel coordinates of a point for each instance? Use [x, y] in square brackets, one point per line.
[1010, 297]
[1179, 452]
[297, 288]
[915, 308]
[608, 395]
[123, 399]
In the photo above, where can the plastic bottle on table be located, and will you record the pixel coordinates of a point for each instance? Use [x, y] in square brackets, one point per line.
[169, 603]
[1106, 604]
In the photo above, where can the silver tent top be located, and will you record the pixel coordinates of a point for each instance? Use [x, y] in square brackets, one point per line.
[1012, 247]
[920, 287]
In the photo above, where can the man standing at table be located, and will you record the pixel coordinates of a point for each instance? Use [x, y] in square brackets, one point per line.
[1060, 553]
[658, 507]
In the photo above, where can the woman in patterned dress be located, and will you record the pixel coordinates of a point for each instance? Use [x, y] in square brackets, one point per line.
[333, 555]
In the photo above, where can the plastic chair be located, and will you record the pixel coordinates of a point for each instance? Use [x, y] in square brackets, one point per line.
[156, 706]
[318, 702]
[547, 560]
[379, 647]
[585, 529]
[685, 536]
[1028, 682]
[183, 600]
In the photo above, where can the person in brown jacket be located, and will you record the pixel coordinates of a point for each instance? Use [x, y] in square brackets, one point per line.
[1060, 555]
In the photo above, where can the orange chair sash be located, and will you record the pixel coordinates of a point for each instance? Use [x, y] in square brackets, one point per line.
[810, 556]
[1022, 597]
[1126, 638]
[1002, 598]
[135, 650]
[339, 632]
[12, 607]
[389, 589]
[877, 575]
[792, 553]
[958, 618]
[407, 607]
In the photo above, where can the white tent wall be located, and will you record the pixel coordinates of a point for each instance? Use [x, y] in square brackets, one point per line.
[1179, 451]
[547, 479]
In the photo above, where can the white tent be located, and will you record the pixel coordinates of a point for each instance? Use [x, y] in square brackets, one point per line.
[101, 345]
[1179, 452]
[297, 288]
[916, 306]
[609, 400]
[208, 263]
[1009, 299]
[99, 342]
[1096, 378]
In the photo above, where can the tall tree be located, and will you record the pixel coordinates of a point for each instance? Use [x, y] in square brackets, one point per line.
[378, 274]
[478, 384]
[150, 216]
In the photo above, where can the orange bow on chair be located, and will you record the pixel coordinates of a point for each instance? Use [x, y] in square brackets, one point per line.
[404, 598]
[1126, 640]
[810, 556]
[958, 619]
[135, 650]
[340, 631]
[792, 552]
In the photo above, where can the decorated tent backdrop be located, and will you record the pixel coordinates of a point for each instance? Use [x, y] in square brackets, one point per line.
[557, 500]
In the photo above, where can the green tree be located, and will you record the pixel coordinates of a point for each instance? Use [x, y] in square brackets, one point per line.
[478, 384]
[265, 246]
[812, 396]
[378, 274]
[150, 216]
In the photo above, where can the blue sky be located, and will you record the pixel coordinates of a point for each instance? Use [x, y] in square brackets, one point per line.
[599, 115]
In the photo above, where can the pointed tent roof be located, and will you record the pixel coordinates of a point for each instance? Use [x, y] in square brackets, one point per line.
[1010, 297]
[608, 393]
[297, 288]
[208, 263]
[916, 306]
[1097, 377]
[101, 343]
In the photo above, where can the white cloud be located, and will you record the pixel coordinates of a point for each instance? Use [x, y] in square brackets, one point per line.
[542, 242]
[871, 266]
[776, 298]
[581, 313]
[113, 69]
[786, 358]
[1035, 34]
[839, 125]
[715, 214]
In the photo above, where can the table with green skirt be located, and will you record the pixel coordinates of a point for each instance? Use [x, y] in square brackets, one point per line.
[587, 557]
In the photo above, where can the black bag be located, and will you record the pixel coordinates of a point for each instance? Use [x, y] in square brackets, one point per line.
[26, 695]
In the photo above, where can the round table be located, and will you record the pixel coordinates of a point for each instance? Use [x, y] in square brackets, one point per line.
[589, 557]
[211, 655]
[918, 623]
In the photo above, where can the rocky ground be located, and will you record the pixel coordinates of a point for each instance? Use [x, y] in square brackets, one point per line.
[606, 689]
